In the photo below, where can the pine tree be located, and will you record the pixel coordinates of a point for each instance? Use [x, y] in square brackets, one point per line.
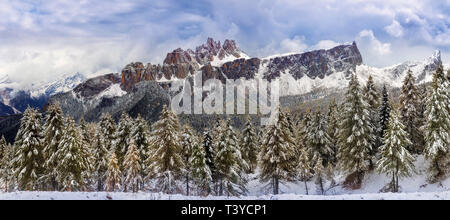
[373, 100]
[141, 135]
[355, 133]
[304, 168]
[248, 144]
[229, 163]
[395, 159]
[88, 132]
[123, 137]
[188, 142]
[333, 130]
[107, 129]
[384, 116]
[72, 157]
[276, 154]
[201, 172]
[209, 154]
[53, 132]
[166, 162]
[410, 113]
[318, 140]
[113, 175]
[319, 176]
[3, 146]
[100, 167]
[28, 160]
[437, 127]
[5, 157]
[132, 167]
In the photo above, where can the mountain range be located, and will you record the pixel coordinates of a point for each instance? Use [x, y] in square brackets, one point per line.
[143, 88]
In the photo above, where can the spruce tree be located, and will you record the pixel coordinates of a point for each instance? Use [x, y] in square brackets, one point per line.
[333, 129]
[230, 166]
[5, 158]
[373, 100]
[53, 132]
[141, 135]
[410, 114]
[395, 159]
[72, 157]
[437, 127]
[28, 160]
[201, 172]
[249, 145]
[384, 116]
[165, 162]
[132, 168]
[318, 140]
[107, 129]
[304, 168]
[277, 151]
[188, 141]
[319, 175]
[209, 154]
[100, 167]
[113, 175]
[355, 133]
[123, 137]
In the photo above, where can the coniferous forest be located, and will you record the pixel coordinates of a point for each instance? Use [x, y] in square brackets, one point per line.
[367, 132]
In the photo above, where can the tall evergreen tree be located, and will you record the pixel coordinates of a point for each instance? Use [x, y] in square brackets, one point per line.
[100, 166]
[384, 116]
[201, 172]
[373, 100]
[395, 159]
[318, 140]
[437, 127]
[304, 168]
[113, 175]
[277, 151]
[28, 160]
[249, 145]
[53, 132]
[209, 154]
[333, 129]
[72, 157]
[188, 142]
[132, 167]
[355, 133]
[107, 130]
[141, 135]
[319, 175]
[5, 157]
[165, 163]
[123, 138]
[229, 163]
[410, 114]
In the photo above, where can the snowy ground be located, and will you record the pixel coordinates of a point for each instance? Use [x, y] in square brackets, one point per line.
[413, 188]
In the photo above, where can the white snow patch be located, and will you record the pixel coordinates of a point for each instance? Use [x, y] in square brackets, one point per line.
[113, 91]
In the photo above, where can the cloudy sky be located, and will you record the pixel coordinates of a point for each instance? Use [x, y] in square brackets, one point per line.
[42, 39]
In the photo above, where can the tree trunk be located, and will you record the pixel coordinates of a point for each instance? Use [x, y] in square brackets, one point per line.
[306, 187]
[276, 186]
[187, 185]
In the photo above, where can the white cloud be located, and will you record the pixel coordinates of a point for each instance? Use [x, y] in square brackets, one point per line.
[367, 37]
[324, 44]
[395, 29]
[295, 44]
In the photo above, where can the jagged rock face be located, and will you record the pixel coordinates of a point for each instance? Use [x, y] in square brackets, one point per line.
[95, 86]
[315, 64]
[180, 64]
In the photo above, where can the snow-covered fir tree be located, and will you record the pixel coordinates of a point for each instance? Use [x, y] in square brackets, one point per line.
[209, 153]
[317, 138]
[333, 129]
[29, 160]
[355, 133]
[437, 127]
[165, 163]
[72, 156]
[396, 161]
[107, 130]
[100, 166]
[304, 168]
[277, 151]
[3, 146]
[372, 98]
[383, 116]
[132, 168]
[141, 135]
[5, 166]
[410, 114]
[230, 166]
[188, 142]
[123, 137]
[53, 131]
[113, 175]
[249, 145]
[201, 172]
[319, 175]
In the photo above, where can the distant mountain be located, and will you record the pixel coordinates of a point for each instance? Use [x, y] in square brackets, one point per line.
[15, 99]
